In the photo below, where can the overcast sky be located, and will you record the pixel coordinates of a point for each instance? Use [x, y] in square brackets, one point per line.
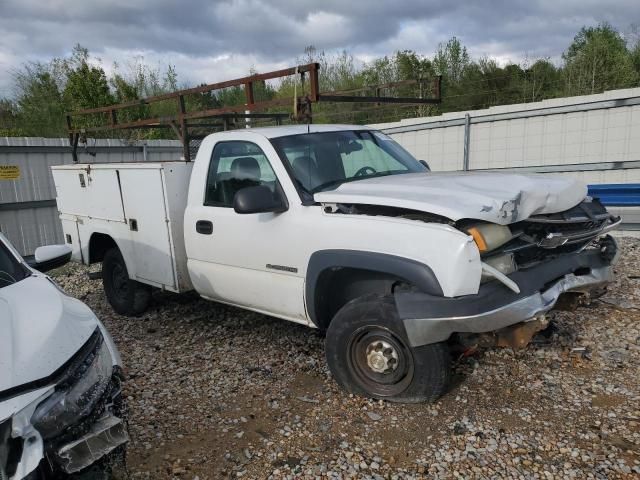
[210, 40]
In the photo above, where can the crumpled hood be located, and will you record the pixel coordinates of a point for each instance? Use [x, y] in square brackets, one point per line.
[501, 198]
[40, 329]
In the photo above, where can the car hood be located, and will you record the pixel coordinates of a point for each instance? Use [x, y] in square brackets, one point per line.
[41, 328]
[501, 198]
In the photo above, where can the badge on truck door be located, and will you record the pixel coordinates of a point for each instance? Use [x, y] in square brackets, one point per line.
[9, 172]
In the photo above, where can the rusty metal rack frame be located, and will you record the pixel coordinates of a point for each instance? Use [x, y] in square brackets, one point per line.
[182, 121]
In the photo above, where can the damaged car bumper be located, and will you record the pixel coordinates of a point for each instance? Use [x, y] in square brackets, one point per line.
[93, 438]
[76, 420]
[430, 319]
[107, 434]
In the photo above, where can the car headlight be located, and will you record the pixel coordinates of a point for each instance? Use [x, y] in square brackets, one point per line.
[489, 236]
[77, 395]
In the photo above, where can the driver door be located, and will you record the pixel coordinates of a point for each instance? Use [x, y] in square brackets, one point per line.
[244, 259]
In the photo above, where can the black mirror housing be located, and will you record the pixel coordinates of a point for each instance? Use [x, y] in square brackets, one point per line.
[51, 264]
[259, 199]
[49, 257]
[424, 162]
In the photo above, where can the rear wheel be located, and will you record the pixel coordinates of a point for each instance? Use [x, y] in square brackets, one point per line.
[126, 296]
[368, 354]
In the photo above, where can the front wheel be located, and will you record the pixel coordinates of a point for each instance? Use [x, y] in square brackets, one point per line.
[368, 354]
[126, 296]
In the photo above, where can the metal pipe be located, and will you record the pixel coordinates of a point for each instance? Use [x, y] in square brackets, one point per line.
[467, 132]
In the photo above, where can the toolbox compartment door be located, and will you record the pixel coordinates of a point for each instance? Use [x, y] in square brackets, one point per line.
[89, 192]
[143, 193]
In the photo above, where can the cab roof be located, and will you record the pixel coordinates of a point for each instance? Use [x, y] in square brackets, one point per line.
[286, 130]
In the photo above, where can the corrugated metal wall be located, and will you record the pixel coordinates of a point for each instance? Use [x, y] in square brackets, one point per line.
[594, 137]
[28, 213]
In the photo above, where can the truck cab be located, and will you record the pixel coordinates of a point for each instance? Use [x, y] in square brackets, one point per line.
[339, 228]
[252, 224]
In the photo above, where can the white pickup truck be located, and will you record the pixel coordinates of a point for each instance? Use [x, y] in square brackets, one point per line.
[339, 228]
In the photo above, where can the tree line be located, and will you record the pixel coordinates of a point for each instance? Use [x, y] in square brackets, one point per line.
[599, 58]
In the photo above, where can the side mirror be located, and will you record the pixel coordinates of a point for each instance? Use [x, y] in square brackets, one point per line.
[259, 199]
[424, 162]
[49, 257]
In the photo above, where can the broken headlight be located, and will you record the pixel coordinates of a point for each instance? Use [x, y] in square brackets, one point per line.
[77, 395]
[504, 263]
[489, 236]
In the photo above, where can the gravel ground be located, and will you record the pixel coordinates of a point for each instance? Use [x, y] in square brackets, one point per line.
[217, 392]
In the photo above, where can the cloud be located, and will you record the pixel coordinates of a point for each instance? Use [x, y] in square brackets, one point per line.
[212, 40]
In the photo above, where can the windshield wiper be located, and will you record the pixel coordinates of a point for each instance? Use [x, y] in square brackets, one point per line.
[324, 186]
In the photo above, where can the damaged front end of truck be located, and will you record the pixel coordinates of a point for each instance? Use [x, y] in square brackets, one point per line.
[538, 239]
[528, 267]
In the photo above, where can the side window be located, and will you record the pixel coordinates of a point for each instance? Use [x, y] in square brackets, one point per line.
[233, 166]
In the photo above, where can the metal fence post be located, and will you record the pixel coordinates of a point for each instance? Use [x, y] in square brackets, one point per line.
[467, 131]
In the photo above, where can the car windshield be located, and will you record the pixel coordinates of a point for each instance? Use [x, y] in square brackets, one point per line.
[323, 161]
[11, 270]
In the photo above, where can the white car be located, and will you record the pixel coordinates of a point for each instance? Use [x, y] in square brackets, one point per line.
[60, 373]
[339, 228]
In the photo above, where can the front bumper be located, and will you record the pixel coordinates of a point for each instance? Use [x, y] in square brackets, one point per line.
[107, 434]
[93, 438]
[100, 431]
[428, 319]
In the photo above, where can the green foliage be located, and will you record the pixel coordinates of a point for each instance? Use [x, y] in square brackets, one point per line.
[635, 57]
[542, 80]
[40, 108]
[8, 119]
[85, 85]
[599, 58]
[451, 60]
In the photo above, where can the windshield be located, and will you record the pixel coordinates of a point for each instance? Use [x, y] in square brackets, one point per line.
[11, 271]
[323, 161]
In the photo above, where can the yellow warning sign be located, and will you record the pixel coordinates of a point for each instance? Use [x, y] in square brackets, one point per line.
[9, 172]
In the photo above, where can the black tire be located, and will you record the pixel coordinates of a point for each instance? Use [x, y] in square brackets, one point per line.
[367, 331]
[126, 296]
